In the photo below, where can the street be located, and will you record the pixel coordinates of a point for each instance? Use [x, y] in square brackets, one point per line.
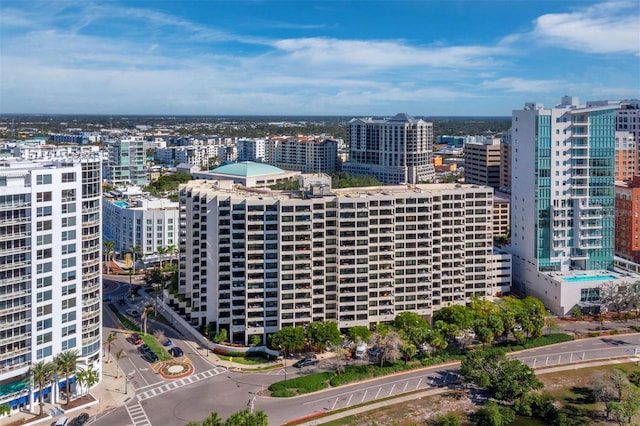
[214, 388]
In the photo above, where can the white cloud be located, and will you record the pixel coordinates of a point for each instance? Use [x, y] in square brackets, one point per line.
[612, 27]
[514, 84]
[386, 54]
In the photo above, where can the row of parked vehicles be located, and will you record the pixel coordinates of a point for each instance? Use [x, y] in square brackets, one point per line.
[146, 351]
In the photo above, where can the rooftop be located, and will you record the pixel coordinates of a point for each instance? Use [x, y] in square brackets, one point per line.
[247, 169]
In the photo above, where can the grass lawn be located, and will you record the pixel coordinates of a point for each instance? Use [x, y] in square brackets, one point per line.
[156, 347]
[245, 359]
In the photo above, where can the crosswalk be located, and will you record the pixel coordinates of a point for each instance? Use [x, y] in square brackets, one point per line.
[175, 384]
[137, 415]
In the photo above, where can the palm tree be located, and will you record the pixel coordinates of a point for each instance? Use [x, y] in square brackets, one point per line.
[108, 248]
[161, 252]
[118, 356]
[41, 373]
[135, 252]
[91, 377]
[67, 363]
[145, 314]
[107, 342]
[171, 251]
[213, 420]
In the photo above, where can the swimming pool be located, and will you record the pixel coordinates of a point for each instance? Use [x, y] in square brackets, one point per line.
[581, 278]
[121, 204]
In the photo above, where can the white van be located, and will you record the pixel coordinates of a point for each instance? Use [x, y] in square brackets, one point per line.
[62, 421]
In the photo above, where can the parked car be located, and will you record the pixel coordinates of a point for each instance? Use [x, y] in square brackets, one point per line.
[133, 313]
[143, 348]
[80, 420]
[135, 339]
[176, 351]
[167, 342]
[306, 361]
[150, 356]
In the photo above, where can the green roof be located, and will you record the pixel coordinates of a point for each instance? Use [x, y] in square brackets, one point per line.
[247, 169]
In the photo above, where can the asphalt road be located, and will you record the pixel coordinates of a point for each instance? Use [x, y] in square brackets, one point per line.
[211, 388]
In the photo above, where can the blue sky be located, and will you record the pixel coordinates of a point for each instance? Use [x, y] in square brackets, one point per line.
[354, 58]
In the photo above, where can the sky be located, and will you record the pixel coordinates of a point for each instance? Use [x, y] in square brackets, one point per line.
[331, 57]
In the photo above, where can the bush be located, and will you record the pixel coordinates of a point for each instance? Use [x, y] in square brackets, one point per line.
[536, 342]
[301, 385]
[449, 419]
[493, 414]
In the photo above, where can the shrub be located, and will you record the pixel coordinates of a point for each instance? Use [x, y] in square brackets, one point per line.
[301, 385]
[449, 419]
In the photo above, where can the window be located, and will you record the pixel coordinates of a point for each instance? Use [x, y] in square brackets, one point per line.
[44, 352]
[69, 344]
[68, 289]
[69, 316]
[44, 282]
[42, 197]
[68, 208]
[43, 254]
[43, 268]
[68, 276]
[68, 177]
[43, 310]
[43, 296]
[68, 262]
[68, 235]
[68, 195]
[44, 324]
[43, 211]
[68, 248]
[44, 225]
[68, 330]
[68, 303]
[43, 239]
[68, 221]
[43, 179]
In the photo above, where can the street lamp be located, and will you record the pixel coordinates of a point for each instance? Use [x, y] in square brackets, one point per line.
[284, 362]
[126, 380]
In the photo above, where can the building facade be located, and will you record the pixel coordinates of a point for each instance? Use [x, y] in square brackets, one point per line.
[50, 276]
[482, 162]
[397, 150]
[304, 154]
[141, 221]
[126, 163]
[626, 156]
[505, 162]
[627, 207]
[562, 204]
[254, 261]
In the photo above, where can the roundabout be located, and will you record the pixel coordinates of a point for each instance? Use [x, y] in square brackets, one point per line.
[175, 370]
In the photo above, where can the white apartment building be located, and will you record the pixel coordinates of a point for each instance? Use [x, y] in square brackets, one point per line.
[396, 150]
[52, 152]
[200, 156]
[252, 150]
[562, 203]
[253, 261]
[50, 276]
[140, 221]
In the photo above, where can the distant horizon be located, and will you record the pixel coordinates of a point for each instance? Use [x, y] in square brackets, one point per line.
[169, 116]
[350, 58]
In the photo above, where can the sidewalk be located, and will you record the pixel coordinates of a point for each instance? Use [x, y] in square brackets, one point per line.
[109, 394]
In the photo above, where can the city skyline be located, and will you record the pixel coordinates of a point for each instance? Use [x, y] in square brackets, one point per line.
[359, 58]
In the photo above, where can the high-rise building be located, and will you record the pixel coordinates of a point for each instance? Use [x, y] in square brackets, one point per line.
[126, 164]
[482, 162]
[626, 156]
[305, 155]
[627, 209]
[397, 150]
[562, 203]
[505, 162]
[254, 261]
[50, 276]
